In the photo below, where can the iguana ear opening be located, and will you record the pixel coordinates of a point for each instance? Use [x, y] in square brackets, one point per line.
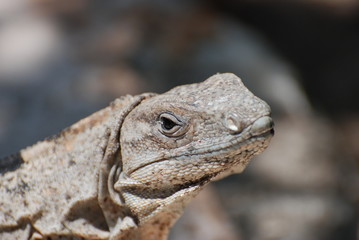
[111, 163]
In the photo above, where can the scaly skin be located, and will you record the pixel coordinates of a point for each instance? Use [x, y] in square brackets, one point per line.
[127, 171]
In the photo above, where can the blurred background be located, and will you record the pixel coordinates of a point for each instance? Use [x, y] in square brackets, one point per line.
[62, 60]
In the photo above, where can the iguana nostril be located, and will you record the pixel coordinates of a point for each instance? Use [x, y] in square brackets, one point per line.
[262, 125]
[233, 123]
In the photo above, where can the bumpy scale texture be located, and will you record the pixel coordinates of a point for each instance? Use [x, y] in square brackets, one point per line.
[127, 171]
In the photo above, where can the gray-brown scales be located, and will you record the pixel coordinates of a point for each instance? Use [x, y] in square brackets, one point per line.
[128, 171]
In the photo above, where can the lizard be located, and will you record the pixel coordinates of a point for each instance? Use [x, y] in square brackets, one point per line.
[128, 170]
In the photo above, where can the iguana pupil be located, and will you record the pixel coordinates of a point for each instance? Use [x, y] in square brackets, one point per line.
[167, 124]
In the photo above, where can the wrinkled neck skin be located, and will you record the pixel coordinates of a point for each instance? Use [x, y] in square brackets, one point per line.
[155, 217]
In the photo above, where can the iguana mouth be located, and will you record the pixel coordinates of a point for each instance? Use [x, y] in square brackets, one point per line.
[260, 132]
[236, 142]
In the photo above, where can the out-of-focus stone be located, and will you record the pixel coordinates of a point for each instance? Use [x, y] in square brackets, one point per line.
[27, 44]
[301, 155]
[292, 216]
[108, 83]
[204, 218]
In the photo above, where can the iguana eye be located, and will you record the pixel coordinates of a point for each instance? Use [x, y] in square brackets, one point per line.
[171, 126]
[167, 124]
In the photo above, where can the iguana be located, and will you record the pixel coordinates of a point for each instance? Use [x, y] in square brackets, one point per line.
[128, 170]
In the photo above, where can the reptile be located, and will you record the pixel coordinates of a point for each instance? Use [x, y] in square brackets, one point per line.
[128, 170]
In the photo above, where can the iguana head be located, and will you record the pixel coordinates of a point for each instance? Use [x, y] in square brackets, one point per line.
[192, 134]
